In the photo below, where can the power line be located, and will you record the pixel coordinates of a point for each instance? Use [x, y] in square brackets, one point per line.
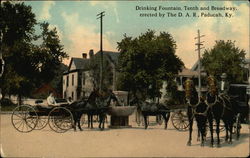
[199, 44]
[100, 16]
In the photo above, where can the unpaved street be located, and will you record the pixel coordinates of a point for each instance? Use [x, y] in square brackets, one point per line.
[129, 142]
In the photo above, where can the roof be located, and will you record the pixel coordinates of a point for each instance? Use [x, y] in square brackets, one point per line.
[112, 56]
[187, 73]
[83, 63]
[247, 61]
[46, 88]
[80, 63]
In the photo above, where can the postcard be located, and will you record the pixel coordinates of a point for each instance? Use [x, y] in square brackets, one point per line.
[161, 78]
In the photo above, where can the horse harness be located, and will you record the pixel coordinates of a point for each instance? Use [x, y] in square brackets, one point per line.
[221, 97]
[194, 112]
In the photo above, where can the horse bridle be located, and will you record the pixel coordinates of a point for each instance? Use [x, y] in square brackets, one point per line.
[211, 104]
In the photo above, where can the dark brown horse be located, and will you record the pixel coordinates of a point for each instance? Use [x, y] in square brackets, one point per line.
[221, 108]
[151, 109]
[98, 104]
[196, 109]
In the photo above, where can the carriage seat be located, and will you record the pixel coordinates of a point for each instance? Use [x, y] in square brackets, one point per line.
[40, 104]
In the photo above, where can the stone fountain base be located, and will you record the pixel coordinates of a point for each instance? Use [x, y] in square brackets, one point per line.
[120, 116]
[119, 122]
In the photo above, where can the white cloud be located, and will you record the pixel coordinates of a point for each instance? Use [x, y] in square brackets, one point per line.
[45, 11]
[82, 37]
[235, 29]
[108, 5]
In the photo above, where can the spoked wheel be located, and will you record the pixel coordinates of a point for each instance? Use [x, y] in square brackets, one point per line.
[83, 120]
[159, 119]
[42, 122]
[180, 120]
[237, 126]
[60, 119]
[138, 118]
[24, 118]
[95, 118]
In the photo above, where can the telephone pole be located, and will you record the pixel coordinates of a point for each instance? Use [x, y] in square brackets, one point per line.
[199, 44]
[100, 16]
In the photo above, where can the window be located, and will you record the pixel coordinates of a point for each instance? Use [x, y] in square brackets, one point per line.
[65, 95]
[83, 78]
[72, 95]
[67, 81]
[72, 80]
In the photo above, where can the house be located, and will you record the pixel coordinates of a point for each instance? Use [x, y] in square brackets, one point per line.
[43, 91]
[78, 80]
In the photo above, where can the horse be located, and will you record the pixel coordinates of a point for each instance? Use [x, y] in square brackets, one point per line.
[77, 110]
[196, 109]
[221, 108]
[151, 109]
[98, 104]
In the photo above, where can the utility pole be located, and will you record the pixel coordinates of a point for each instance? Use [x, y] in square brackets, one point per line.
[100, 16]
[199, 44]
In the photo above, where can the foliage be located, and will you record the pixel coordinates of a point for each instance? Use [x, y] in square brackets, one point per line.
[146, 61]
[49, 55]
[6, 102]
[27, 65]
[95, 71]
[225, 57]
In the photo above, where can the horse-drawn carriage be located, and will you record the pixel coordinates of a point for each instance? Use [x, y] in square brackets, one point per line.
[26, 118]
[63, 117]
[178, 118]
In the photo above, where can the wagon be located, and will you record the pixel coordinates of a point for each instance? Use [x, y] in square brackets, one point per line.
[26, 118]
[178, 118]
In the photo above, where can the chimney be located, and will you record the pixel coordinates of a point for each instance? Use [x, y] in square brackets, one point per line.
[84, 55]
[91, 53]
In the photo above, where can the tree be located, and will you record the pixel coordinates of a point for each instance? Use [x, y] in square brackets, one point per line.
[27, 65]
[227, 58]
[16, 36]
[49, 55]
[107, 71]
[146, 61]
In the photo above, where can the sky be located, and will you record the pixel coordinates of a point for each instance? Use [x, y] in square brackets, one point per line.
[79, 29]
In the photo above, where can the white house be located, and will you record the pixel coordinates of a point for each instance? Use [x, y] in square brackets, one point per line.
[77, 81]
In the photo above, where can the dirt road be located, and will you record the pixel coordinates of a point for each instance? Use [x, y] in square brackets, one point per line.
[129, 142]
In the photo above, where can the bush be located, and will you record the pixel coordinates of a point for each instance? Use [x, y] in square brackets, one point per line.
[6, 102]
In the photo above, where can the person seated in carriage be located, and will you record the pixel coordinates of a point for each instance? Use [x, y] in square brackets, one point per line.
[51, 100]
[223, 85]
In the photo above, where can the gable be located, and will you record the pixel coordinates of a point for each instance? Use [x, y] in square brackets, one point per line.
[72, 66]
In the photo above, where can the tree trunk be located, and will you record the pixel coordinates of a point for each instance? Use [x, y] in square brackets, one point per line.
[19, 99]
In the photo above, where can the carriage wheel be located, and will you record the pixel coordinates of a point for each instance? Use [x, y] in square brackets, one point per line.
[221, 127]
[159, 119]
[42, 122]
[60, 119]
[138, 118]
[237, 126]
[24, 118]
[95, 118]
[180, 120]
[83, 120]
